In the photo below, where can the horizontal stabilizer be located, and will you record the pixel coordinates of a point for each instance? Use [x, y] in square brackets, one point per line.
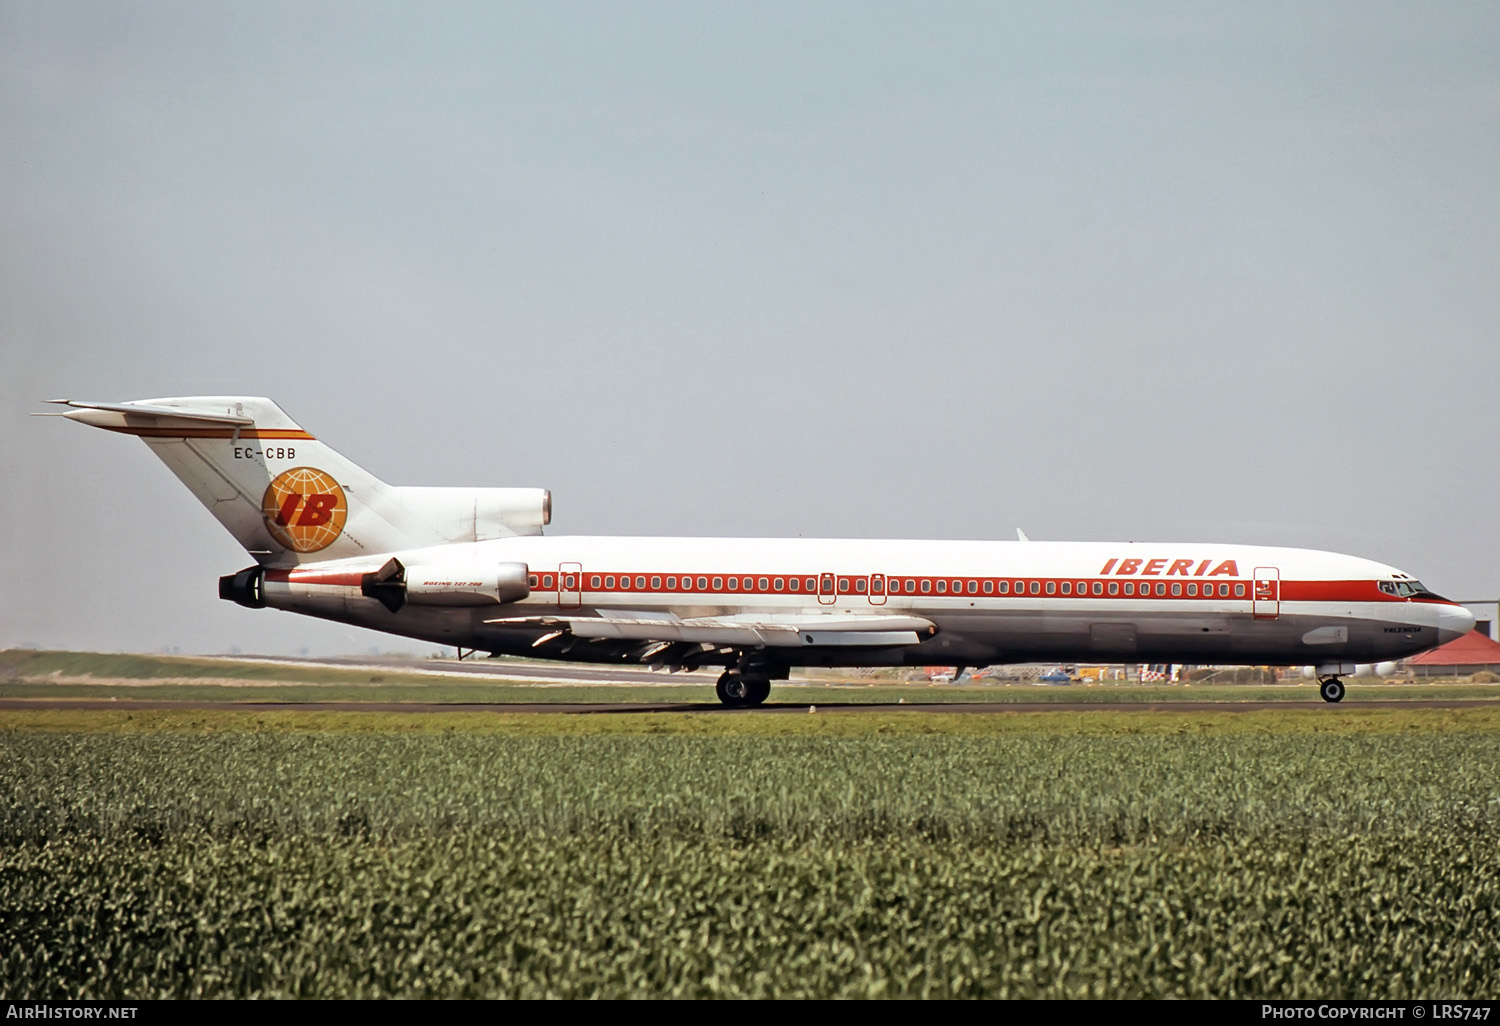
[143, 410]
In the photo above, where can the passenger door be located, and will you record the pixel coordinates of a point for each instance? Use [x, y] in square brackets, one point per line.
[1265, 593]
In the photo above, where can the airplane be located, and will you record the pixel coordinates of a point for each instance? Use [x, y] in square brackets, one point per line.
[471, 568]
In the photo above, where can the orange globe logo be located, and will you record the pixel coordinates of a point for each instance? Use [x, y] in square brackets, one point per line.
[304, 509]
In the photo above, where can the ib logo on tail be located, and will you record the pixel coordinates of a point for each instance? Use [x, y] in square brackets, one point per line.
[304, 509]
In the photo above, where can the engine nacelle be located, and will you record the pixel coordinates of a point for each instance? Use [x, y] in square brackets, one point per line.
[466, 585]
[248, 588]
[446, 584]
[477, 514]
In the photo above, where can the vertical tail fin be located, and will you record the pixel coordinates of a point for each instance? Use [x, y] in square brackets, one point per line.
[288, 498]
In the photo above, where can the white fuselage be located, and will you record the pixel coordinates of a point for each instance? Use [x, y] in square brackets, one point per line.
[989, 602]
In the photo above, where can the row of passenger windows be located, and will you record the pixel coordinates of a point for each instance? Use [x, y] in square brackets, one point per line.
[896, 585]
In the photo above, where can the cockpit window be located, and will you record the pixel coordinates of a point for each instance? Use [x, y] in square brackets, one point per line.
[1407, 589]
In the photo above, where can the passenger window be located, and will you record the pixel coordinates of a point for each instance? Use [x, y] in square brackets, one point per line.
[703, 584]
[911, 586]
[640, 583]
[764, 584]
[1130, 587]
[973, 587]
[989, 587]
[1098, 588]
[1192, 591]
[1239, 591]
[810, 585]
[827, 585]
[718, 584]
[671, 584]
[1036, 587]
[895, 586]
[1067, 587]
[926, 586]
[1005, 587]
[1161, 589]
[568, 582]
[1114, 587]
[594, 581]
[1176, 590]
[546, 580]
[780, 583]
[859, 585]
[734, 584]
[793, 582]
[531, 580]
[1223, 591]
[843, 585]
[1051, 587]
[656, 584]
[942, 587]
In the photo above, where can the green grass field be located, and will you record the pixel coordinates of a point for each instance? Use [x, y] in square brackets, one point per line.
[1300, 852]
[82, 675]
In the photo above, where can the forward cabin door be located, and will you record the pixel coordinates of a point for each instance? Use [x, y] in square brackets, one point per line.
[877, 589]
[1265, 593]
[570, 585]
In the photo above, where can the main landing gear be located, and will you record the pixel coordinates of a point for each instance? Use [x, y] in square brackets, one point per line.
[1331, 688]
[739, 690]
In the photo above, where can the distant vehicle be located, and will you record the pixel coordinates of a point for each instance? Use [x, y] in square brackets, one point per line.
[1056, 677]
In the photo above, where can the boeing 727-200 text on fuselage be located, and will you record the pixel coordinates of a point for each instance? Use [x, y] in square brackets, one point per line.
[469, 567]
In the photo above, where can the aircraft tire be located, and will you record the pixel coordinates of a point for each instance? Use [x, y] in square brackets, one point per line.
[732, 691]
[758, 689]
[1332, 689]
[739, 690]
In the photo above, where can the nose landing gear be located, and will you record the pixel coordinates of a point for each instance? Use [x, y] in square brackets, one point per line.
[1331, 688]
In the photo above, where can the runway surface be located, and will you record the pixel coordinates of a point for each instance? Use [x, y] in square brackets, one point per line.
[770, 708]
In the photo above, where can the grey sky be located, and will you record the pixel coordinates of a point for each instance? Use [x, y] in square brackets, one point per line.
[1202, 272]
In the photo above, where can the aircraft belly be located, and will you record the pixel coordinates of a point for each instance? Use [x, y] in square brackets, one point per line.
[963, 636]
[1028, 636]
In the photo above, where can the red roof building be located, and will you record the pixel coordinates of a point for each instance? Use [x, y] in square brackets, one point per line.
[1471, 653]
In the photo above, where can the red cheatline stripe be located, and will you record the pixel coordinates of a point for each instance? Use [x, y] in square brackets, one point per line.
[160, 432]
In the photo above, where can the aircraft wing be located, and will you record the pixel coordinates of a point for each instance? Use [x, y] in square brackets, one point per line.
[771, 630]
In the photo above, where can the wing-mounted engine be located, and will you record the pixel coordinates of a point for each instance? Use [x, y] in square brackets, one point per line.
[437, 584]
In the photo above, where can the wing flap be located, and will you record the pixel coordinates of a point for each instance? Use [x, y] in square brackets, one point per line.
[772, 631]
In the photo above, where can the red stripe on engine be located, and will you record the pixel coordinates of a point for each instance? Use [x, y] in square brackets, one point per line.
[330, 578]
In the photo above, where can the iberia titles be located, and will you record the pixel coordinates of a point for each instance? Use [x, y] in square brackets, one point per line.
[1169, 568]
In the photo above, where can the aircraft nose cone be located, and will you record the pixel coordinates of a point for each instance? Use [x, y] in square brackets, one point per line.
[1454, 622]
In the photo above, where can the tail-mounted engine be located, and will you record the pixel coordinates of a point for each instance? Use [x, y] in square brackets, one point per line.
[394, 585]
[248, 588]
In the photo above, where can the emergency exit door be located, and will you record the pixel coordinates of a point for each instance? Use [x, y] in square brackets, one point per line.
[570, 585]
